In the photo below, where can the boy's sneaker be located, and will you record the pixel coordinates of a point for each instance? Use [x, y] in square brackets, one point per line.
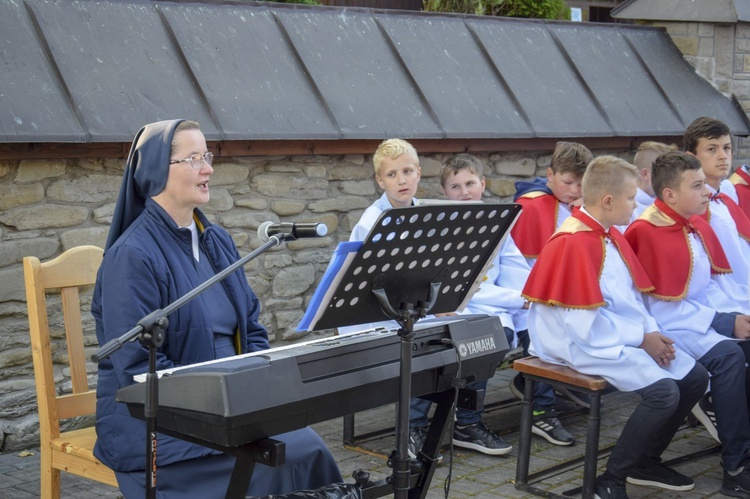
[547, 425]
[661, 476]
[737, 483]
[610, 488]
[704, 412]
[417, 437]
[480, 438]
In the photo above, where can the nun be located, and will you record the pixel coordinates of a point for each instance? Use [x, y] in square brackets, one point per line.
[160, 246]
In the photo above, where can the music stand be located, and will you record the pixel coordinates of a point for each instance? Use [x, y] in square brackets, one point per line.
[416, 260]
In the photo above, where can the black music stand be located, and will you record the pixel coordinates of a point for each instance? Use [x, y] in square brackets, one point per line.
[416, 260]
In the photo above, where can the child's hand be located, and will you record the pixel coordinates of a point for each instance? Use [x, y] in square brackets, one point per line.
[659, 348]
[574, 203]
[742, 327]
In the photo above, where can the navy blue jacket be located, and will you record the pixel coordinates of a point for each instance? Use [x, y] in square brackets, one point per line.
[149, 267]
[526, 186]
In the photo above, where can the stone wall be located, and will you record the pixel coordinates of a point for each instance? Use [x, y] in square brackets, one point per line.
[720, 53]
[47, 207]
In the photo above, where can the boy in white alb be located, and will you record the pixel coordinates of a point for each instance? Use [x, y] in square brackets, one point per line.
[600, 326]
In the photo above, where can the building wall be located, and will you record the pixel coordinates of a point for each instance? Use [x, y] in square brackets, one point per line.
[720, 53]
[47, 207]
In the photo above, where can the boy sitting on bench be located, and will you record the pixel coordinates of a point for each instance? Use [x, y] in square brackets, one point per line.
[587, 313]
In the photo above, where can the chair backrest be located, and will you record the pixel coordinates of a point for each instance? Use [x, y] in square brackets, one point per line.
[75, 268]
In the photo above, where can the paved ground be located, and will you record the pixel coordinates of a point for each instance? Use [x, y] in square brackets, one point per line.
[472, 474]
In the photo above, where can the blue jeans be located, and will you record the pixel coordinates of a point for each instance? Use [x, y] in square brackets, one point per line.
[419, 408]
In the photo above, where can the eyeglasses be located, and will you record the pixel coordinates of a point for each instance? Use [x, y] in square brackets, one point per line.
[196, 160]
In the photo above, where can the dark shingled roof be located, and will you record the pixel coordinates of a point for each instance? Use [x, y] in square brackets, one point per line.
[96, 70]
[710, 11]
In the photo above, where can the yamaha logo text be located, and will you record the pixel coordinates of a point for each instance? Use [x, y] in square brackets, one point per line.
[478, 346]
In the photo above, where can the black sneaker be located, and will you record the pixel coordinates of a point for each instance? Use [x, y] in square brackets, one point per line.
[704, 412]
[480, 438]
[661, 476]
[610, 488]
[516, 386]
[737, 483]
[547, 425]
[417, 437]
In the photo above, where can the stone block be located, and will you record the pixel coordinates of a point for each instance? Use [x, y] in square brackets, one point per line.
[293, 281]
[741, 88]
[20, 194]
[705, 29]
[44, 216]
[284, 207]
[11, 284]
[254, 203]
[311, 158]
[286, 322]
[93, 188]
[96, 236]
[688, 45]
[312, 242]
[501, 187]
[220, 200]
[284, 168]
[283, 303]
[33, 170]
[705, 47]
[357, 159]
[280, 261]
[240, 238]
[521, 166]
[5, 168]
[360, 188]
[246, 220]
[316, 171]
[14, 251]
[742, 30]
[673, 28]
[339, 203]
[430, 167]
[103, 214]
[229, 173]
[290, 186]
[351, 172]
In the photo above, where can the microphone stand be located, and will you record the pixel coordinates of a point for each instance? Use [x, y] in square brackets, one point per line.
[150, 332]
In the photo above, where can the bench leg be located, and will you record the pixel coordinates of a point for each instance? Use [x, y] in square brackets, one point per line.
[524, 436]
[592, 447]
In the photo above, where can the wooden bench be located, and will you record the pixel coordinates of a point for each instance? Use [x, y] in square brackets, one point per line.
[557, 376]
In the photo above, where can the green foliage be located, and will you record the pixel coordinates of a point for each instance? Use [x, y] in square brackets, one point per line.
[541, 9]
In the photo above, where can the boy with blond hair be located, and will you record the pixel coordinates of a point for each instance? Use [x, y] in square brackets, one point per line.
[601, 327]
[644, 160]
[684, 259]
[397, 172]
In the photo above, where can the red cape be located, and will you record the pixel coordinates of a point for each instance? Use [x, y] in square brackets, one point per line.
[569, 267]
[741, 181]
[739, 217]
[536, 224]
[659, 238]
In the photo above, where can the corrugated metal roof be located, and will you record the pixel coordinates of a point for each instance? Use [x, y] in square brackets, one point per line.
[96, 70]
[714, 11]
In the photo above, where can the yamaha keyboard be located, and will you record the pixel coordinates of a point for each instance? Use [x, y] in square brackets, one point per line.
[231, 402]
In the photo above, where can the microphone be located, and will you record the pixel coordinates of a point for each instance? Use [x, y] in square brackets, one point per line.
[291, 230]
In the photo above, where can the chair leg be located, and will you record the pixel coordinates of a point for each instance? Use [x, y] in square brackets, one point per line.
[524, 436]
[592, 447]
[49, 478]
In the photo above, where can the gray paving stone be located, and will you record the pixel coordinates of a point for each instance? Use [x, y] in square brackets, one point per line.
[473, 475]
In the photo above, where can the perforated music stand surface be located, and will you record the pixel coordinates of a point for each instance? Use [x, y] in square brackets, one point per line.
[410, 248]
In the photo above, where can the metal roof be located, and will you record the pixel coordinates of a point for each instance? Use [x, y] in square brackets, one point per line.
[715, 11]
[96, 70]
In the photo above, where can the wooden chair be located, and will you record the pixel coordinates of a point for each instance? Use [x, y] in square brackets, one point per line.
[71, 451]
[535, 369]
